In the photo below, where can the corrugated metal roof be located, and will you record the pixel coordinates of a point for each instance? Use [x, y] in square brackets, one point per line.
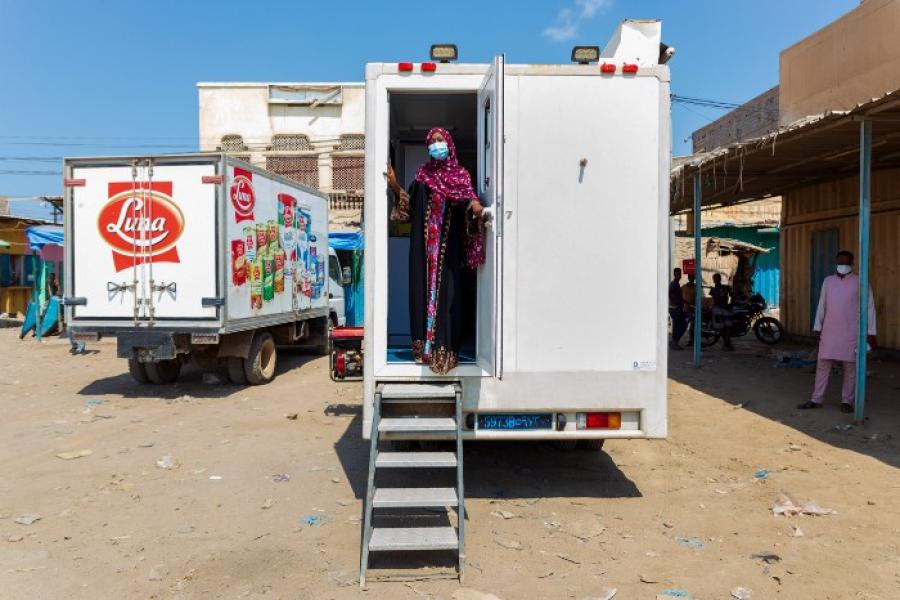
[812, 149]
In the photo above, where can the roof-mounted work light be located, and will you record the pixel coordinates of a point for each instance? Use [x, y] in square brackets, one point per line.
[444, 52]
[585, 55]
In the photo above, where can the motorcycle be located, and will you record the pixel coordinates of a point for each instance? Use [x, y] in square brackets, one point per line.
[745, 315]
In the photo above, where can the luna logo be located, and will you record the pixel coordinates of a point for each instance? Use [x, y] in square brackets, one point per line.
[243, 198]
[141, 225]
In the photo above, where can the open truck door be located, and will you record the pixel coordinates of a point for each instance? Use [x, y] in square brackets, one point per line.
[490, 191]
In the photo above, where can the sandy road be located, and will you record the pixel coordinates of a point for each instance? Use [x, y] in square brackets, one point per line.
[686, 513]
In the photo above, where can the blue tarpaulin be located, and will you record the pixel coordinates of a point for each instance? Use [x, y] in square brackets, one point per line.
[41, 235]
[346, 240]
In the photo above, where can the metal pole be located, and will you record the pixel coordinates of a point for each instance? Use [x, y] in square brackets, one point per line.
[36, 293]
[865, 210]
[698, 270]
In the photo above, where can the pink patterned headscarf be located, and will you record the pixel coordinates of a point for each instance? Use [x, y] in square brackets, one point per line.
[448, 180]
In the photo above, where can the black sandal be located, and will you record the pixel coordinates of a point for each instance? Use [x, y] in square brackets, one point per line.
[846, 408]
[809, 404]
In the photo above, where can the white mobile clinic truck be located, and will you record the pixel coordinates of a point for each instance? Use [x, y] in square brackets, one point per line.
[199, 258]
[565, 336]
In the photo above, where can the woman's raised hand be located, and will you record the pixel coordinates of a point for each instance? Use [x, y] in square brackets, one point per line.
[392, 179]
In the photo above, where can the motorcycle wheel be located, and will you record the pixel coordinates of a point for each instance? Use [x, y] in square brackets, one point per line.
[768, 330]
[709, 338]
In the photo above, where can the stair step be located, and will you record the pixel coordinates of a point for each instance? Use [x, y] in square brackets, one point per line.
[417, 497]
[416, 424]
[413, 538]
[418, 391]
[415, 460]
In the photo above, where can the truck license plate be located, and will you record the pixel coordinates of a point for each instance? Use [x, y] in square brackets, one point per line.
[512, 422]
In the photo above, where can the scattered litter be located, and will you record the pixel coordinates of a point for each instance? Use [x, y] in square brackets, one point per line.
[673, 593]
[605, 594]
[509, 544]
[870, 502]
[158, 573]
[267, 504]
[470, 594]
[793, 360]
[344, 578]
[785, 505]
[762, 474]
[335, 480]
[346, 502]
[281, 477]
[15, 538]
[566, 558]
[147, 445]
[315, 520]
[27, 519]
[291, 416]
[167, 462]
[770, 558]
[502, 514]
[215, 477]
[92, 402]
[795, 447]
[649, 578]
[797, 532]
[843, 427]
[74, 454]
[668, 525]
[212, 379]
[694, 543]
[741, 593]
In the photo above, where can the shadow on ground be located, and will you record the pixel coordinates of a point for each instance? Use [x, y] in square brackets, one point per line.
[189, 383]
[494, 469]
[748, 378]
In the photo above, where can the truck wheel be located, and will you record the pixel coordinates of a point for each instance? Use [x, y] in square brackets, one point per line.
[236, 370]
[138, 371]
[163, 371]
[323, 345]
[593, 445]
[259, 366]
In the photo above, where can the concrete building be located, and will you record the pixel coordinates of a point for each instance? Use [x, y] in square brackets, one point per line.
[310, 132]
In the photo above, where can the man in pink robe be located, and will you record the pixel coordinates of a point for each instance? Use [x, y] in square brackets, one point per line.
[837, 322]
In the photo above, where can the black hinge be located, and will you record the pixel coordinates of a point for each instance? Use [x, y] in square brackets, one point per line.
[74, 301]
[212, 302]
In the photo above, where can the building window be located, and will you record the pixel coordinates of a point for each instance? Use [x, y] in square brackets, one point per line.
[347, 172]
[302, 169]
[290, 142]
[348, 163]
[234, 145]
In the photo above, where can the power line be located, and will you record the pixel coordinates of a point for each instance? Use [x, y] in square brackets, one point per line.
[25, 172]
[720, 104]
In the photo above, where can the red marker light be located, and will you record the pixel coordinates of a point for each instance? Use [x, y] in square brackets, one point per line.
[405, 66]
[630, 68]
[429, 67]
[608, 68]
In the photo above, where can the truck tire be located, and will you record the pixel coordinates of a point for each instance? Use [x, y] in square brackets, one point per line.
[323, 344]
[259, 366]
[593, 445]
[138, 371]
[163, 371]
[236, 370]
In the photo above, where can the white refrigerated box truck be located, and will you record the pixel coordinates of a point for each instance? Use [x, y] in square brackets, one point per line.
[200, 258]
[566, 335]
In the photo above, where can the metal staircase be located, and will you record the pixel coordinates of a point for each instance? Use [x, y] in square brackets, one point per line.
[414, 539]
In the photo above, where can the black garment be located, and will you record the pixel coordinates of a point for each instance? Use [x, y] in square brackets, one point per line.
[675, 298]
[721, 295]
[448, 319]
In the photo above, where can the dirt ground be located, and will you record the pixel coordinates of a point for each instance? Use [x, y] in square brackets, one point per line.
[687, 513]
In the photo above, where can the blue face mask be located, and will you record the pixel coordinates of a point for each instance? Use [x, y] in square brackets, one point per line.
[438, 150]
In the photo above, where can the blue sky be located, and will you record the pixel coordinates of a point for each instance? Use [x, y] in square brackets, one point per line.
[118, 77]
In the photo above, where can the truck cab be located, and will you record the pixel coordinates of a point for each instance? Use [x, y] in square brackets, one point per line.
[336, 281]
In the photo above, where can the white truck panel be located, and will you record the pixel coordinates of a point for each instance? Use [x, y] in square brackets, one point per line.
[103, 240]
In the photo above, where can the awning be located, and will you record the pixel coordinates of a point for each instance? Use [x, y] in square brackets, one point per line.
[42, 235]
[817, 148]
[346, 240]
